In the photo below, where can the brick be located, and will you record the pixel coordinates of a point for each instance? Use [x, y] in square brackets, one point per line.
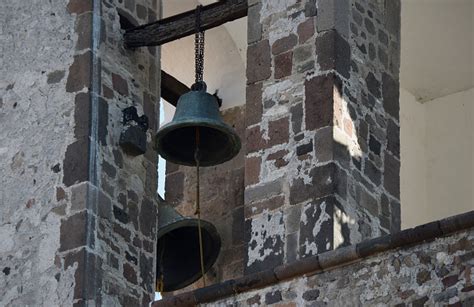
[129, 273]
[283, 65]
[252, 170]
[258, 62]
[79, 72]
[284, 44]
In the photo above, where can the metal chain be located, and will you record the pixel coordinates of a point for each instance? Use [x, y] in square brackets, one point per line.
[199, 47]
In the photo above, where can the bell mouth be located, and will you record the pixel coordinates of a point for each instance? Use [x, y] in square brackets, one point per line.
[178, 243]
[177, 143]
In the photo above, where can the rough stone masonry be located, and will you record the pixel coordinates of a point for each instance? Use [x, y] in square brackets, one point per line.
[77, 214]
[322, 127]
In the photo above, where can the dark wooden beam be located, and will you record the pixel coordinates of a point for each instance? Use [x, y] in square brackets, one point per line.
[171, 88]
[181, 25]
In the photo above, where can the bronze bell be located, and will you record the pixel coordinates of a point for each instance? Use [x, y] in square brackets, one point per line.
[176, 141]
[178, 258]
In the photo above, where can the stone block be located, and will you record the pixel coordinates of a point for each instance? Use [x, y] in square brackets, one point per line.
[263, 191]
[82, 115]
[253, 105]
[391, 95]
[83, 29]
[316, 227]
[283, 65]
[252, 170]
[79, 72]
[254, 139]
[284, 44]
[76, 231]
[305, 30]
[258, 62]
[120, 84]
[148, 218]
[392, 175]
[333, 52]
[318, 102]
[76, 162]
[79, 6]
[55, 76]
[278, 131]
[87, 276]
[254, 30]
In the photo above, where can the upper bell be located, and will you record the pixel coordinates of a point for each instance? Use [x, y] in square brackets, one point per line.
[176, 141]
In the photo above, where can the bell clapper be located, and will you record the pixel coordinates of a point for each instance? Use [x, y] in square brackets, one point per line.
[198, 208]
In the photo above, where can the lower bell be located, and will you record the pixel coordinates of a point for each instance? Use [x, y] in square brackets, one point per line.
[178, 258]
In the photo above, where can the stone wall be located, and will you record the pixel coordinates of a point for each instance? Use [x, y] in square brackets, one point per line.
[78, 215]
[222, 202]
[322, 128]
[435, 273]
[38, 44]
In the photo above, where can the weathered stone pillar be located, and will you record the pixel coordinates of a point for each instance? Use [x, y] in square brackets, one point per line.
[323, 158]
[78, 213]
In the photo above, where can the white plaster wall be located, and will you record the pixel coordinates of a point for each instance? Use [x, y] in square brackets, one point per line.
[437, 154]
[413, 152]
[449, 154]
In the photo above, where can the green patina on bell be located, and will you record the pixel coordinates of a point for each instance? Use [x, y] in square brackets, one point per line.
[176, 141]
[178, 250]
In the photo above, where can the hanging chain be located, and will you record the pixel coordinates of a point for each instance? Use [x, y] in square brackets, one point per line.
[199, 47]
[198, 208]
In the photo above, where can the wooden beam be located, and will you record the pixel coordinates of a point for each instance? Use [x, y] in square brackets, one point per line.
[181, 25]
[172, 88]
